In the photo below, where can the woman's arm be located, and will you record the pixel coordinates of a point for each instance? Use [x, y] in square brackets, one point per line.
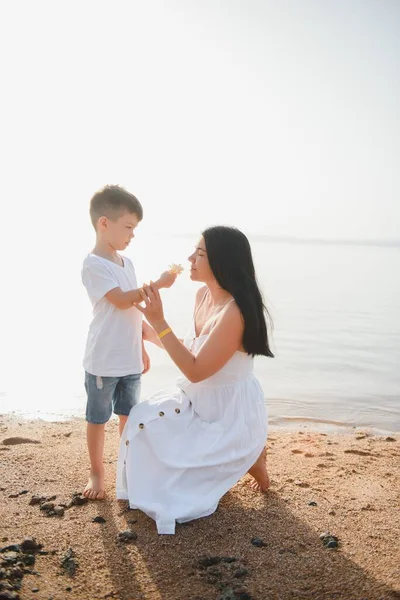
[223, 341]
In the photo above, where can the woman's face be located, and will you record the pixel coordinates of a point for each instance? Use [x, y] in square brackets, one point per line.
[200, 268]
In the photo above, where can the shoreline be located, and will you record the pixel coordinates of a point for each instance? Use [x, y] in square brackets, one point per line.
[282, 425]
[346, 485]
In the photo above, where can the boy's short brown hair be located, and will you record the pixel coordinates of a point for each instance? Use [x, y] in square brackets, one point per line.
[111, 201]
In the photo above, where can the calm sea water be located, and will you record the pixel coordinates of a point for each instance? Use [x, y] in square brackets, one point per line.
[336, 333]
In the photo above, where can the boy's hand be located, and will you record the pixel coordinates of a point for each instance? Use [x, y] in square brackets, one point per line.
[166, 279]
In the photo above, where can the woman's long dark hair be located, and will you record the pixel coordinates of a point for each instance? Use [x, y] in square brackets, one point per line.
[231, 261]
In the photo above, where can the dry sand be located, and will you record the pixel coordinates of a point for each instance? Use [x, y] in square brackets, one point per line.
[354, 481]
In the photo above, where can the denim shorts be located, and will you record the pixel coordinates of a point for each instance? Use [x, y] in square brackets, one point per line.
[105, 394]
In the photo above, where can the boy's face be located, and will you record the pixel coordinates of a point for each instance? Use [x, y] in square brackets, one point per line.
[119, 232]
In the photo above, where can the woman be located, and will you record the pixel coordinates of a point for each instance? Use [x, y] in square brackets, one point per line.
[181, 452]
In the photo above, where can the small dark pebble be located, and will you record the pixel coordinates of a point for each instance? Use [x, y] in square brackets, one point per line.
[312, 503]
[36, 500]
[34, 590]
[99, 520]
[330, 541]
[30, 544]
[208, 561]
[23, 492]
[258, 542]
[242, 589]
[229, 559]
[390, 439]
[13, 495]
[78, 499]
[68, 563]
[41, 499]
[47, 506]
[126, 536]
[240, 573]
[68, 589]
[28, 560]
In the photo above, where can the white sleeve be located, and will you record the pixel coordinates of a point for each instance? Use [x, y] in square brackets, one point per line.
[98, 280]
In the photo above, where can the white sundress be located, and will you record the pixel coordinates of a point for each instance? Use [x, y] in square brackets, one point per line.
[182, 450]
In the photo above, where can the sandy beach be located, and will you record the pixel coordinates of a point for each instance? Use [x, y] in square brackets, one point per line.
[260, 547]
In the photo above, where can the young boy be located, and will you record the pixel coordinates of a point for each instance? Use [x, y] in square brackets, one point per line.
[115, 355]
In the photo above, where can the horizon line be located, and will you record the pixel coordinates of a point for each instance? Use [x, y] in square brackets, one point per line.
[389, 243]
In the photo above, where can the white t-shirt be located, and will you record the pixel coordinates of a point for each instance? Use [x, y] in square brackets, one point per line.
[114, 343]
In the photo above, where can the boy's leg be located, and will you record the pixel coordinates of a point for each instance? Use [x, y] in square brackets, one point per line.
[95, 435]
[127, 394]
[100, 392]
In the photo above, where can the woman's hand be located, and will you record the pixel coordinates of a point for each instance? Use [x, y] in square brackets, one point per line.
[153, 309]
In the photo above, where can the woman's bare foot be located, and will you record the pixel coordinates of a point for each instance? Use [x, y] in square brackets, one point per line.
[95, 487]
[259, 474]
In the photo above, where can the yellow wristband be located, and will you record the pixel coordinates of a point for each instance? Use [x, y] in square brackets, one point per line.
[165, 332]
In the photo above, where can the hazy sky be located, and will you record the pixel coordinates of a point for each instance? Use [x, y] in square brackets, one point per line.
[281, 117]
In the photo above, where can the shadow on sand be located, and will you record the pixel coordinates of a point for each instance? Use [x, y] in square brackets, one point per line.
[293, 564]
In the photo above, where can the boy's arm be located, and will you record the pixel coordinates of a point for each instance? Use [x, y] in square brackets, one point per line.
[125, 300]
[150, 335]
[146, 360]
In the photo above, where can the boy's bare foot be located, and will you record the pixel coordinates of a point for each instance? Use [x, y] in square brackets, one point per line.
[259, 474]
[95, 487]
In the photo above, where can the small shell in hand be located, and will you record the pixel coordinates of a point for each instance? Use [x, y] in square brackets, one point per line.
[174, 268]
